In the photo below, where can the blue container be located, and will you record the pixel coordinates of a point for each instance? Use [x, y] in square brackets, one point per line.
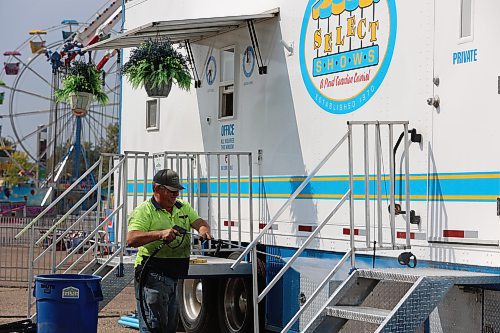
[67, 303]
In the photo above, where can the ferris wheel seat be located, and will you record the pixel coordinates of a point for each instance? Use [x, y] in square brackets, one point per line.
[12, 68]
[37, 46]
[67, 34]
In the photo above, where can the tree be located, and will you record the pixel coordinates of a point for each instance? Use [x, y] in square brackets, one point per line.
[6, 149]
[19, 169]
[6, 144]
[110, 143]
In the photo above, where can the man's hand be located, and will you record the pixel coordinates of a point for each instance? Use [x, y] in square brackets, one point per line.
[203, 228]
[136, 238]
[168, 235]
[204, 232]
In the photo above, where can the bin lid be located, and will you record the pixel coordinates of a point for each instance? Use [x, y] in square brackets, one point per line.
[65, 277]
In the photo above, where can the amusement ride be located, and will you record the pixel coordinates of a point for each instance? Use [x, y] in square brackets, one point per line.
[59, 141]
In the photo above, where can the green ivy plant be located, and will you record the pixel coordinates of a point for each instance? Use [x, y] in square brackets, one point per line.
[82, 77]
[155, 63]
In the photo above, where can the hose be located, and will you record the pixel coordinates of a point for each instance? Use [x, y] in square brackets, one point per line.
[141, 281]
[22, 326]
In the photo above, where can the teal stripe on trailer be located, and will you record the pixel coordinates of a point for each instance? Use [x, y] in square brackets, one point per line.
[484, 186]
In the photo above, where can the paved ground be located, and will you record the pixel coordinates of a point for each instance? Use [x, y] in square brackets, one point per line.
[13, 308]
[13, 295]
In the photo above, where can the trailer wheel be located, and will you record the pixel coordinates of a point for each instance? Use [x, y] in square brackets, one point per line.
[235, 301]
[197, 308]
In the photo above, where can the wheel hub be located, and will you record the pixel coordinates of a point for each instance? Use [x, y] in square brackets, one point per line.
[193, 296]
[235, 303]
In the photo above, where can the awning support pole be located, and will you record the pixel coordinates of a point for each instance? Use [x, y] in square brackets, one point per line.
[197, 81]
[255, 45]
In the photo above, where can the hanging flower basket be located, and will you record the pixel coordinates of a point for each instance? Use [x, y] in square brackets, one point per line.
[160, 91]
[80, 103]
[156, 65]
[81, 85]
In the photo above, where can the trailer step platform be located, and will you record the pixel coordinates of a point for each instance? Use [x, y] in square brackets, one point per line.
[201, 266]
[116, 278]
[399, 300]
[411, 275]
[206, 266]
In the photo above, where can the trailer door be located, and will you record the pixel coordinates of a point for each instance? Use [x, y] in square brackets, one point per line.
[463, 166]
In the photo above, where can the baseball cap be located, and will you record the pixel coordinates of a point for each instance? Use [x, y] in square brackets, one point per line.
[168, 178]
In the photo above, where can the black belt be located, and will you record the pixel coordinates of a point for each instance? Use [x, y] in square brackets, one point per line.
[172, 267]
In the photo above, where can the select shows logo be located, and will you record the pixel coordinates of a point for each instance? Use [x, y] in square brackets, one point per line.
[71, 292]
[346, 47]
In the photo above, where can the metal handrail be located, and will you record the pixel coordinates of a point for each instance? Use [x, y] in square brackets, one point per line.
[119, 250]
[317, 291]
[184, 163]
[77, 261]
[325, 304]
[49, 207]
[302, 247]
[288, 202]
[392, 177]
[72, 209]
[87, 238]
[56, 240]
[64, 233]
[255, 241]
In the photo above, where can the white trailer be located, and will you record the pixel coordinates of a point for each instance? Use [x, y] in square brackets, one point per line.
[387, 106]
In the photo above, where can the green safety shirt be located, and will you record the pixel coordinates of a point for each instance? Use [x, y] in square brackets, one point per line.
[149, 216]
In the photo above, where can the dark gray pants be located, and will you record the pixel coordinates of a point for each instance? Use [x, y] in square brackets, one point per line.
[160, 303]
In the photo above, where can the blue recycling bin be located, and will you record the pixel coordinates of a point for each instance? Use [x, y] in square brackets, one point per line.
[67, 303]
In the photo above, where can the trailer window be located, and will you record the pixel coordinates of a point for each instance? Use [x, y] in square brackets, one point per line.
[466, 18]
[226, 85]
[152, 115]
[226, 101]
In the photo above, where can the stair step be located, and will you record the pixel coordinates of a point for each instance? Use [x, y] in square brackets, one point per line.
[112, 283]
[359, 313]
[405, 276]
[411, 275]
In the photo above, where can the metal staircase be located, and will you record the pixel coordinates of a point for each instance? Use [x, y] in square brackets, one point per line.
[371, 241]
[92, 253]
[390, 300]
[378, 300]
[102, 250]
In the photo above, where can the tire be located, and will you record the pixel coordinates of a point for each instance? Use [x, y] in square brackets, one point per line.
[197, 308]
[235, 306]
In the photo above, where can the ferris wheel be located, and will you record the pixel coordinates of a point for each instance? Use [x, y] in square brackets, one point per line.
[48, 131]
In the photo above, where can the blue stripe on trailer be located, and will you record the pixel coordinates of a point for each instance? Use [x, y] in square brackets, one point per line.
[480, 186]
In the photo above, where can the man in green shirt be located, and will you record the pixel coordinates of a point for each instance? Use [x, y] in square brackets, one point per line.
[150, 224]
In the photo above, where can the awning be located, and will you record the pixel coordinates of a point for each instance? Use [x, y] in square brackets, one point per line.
[181, 30]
